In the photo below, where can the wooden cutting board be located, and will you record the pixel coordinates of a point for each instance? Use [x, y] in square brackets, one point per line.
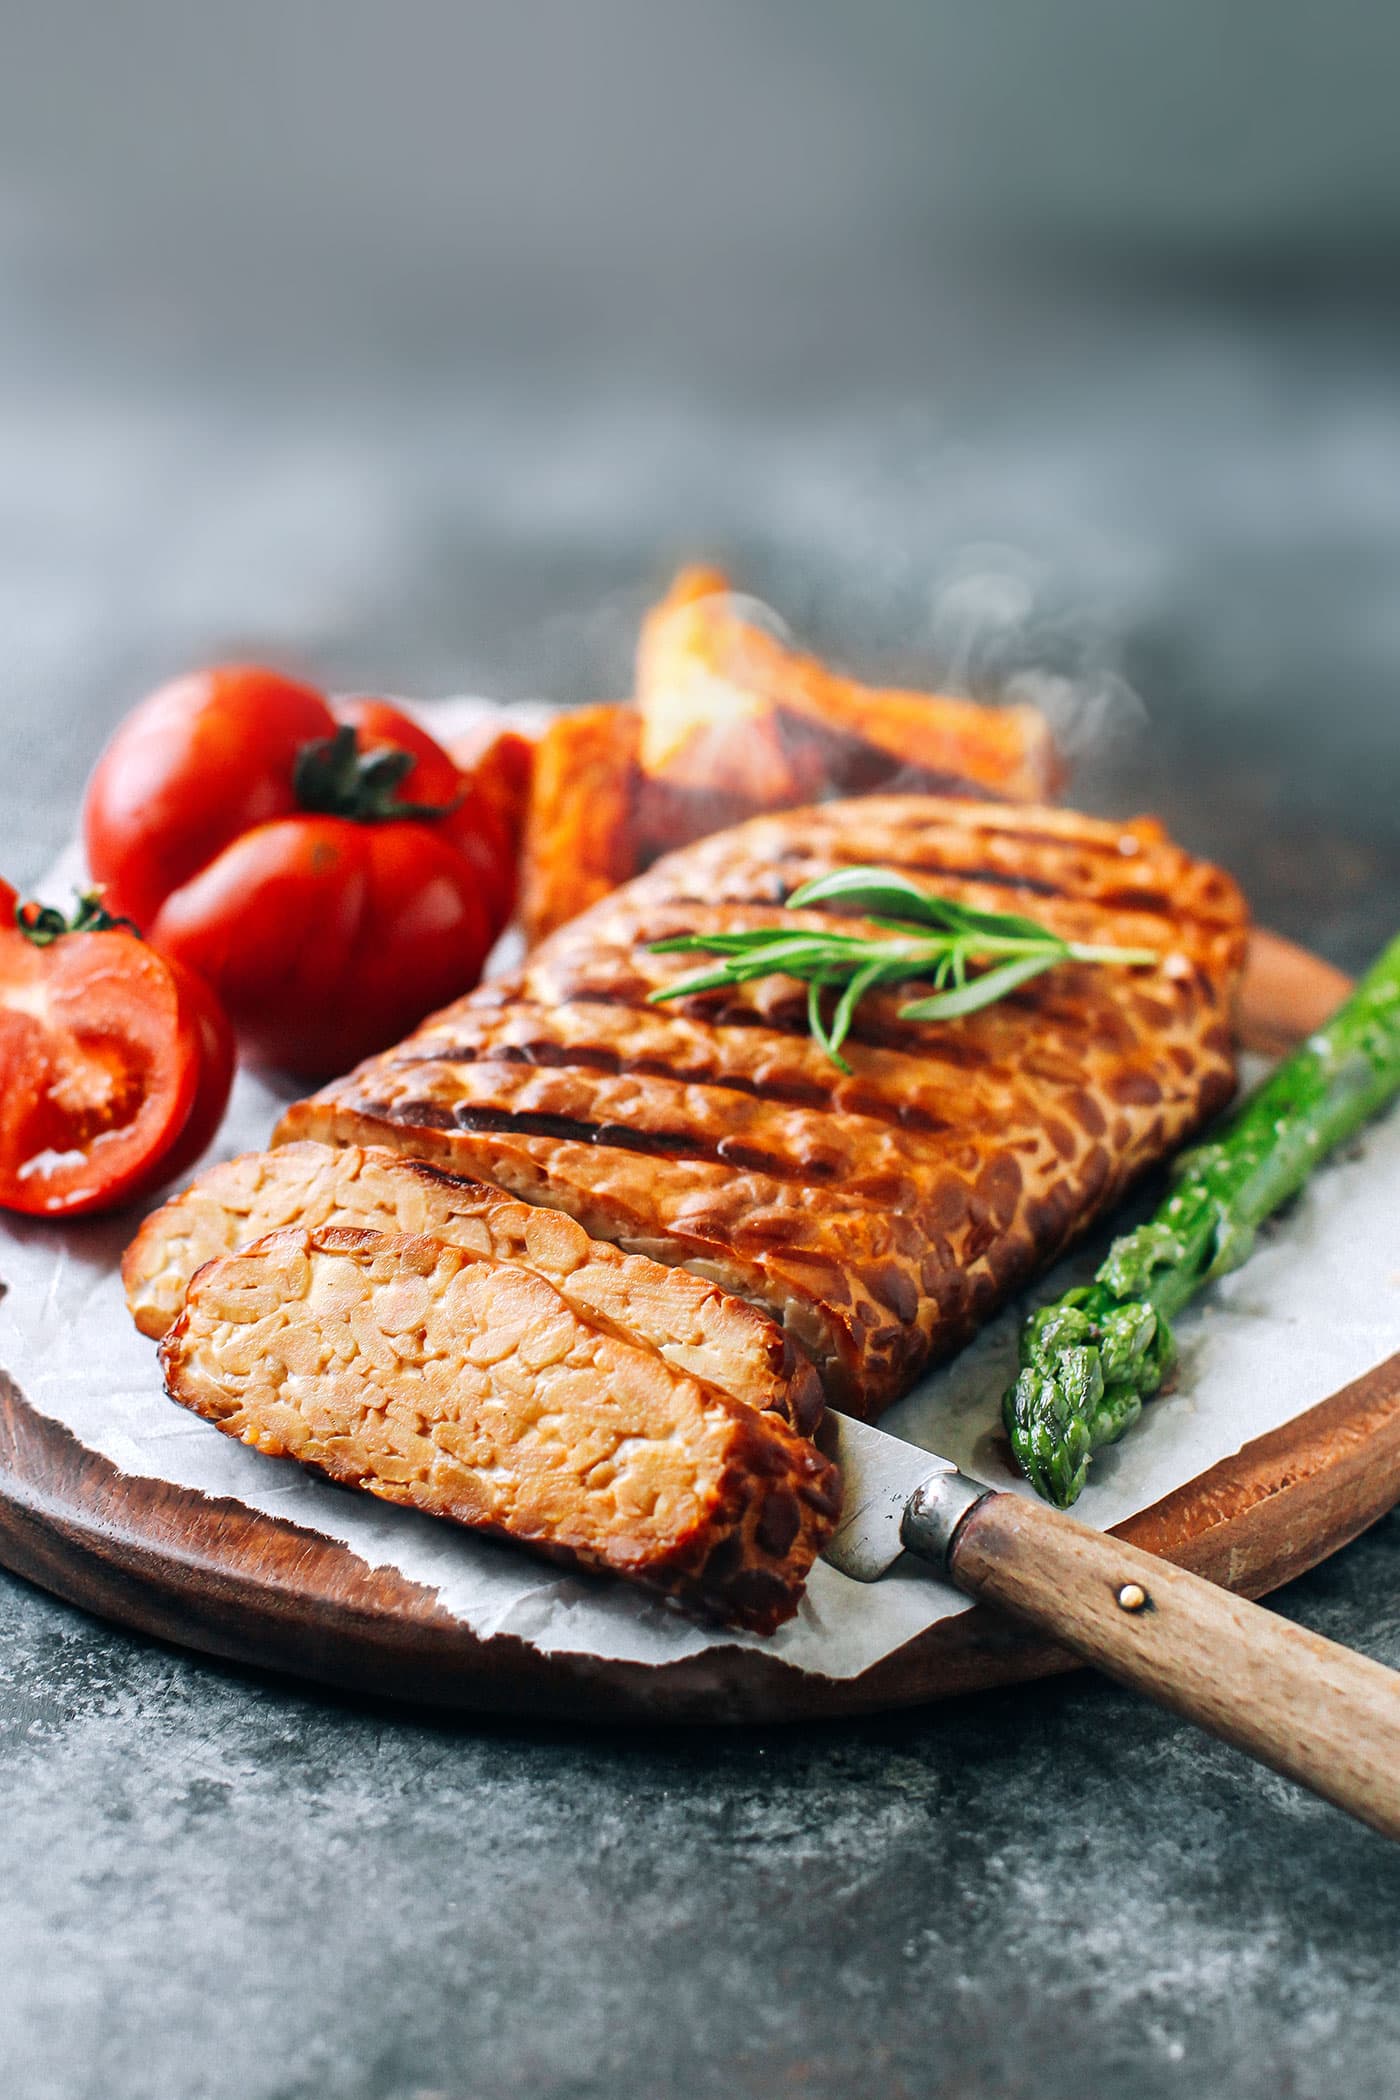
[220, 1577]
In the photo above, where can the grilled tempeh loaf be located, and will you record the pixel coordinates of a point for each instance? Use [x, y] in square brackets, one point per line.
[695, 1326]
[882, 1216]
[469, 1388]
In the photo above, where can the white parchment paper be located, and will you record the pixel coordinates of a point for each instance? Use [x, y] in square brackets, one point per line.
[1317, 1305]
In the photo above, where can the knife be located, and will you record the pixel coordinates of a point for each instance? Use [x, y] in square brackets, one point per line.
[1310, 1709]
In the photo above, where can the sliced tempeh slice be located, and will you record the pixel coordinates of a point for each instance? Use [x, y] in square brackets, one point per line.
[468, 1388]
[695, 1325]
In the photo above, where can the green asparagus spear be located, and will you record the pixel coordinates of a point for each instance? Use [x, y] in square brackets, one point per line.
[1090, 1360]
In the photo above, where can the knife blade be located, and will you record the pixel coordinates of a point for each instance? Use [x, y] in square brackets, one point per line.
[882, 1478]
[1310, 1709]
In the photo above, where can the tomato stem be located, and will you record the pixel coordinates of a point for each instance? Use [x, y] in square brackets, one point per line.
[334, 778]
[43, 924]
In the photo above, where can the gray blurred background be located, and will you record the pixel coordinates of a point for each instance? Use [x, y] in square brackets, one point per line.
[411, 345]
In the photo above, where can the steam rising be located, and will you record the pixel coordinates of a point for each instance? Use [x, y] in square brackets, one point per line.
[992, 633]
[996, 633]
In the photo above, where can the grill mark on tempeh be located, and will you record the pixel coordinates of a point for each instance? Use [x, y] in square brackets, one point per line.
[615, 983]
[623, 1137]
[1081, 867]
[875, 1159]
[1149, 903]
[723, 1226]
[996, 878]
[826, 827]
[542, 1053]
[657, 1144]
[783, 1068]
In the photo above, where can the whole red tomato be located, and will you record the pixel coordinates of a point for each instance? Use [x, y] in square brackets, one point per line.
[474, 825]
[115, 1062]
[319, 867]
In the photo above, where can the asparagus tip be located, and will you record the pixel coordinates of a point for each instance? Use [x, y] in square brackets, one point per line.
[1087, 1364]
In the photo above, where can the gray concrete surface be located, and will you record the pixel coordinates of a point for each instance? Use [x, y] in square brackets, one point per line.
[1178, 517]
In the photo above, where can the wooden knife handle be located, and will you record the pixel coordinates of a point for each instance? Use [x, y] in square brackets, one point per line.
[1315, 1712]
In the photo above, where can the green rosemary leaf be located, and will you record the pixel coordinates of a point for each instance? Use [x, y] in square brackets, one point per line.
[864, 980]
[1086, 951]
[700, 981]
[893, 900]
[998, 925]
[818, 1027]
[796, 955]
[973, 993]
[888, 893]
[721, 943]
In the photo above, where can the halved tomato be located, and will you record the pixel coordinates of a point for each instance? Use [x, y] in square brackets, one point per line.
[115, 1064]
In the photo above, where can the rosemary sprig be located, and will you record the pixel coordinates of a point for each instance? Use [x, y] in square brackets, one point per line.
[924, 936]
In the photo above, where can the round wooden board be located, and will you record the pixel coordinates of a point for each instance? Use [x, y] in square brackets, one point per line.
[217, 1576]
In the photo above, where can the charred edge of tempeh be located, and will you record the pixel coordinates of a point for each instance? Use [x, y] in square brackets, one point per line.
[467, 1388]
